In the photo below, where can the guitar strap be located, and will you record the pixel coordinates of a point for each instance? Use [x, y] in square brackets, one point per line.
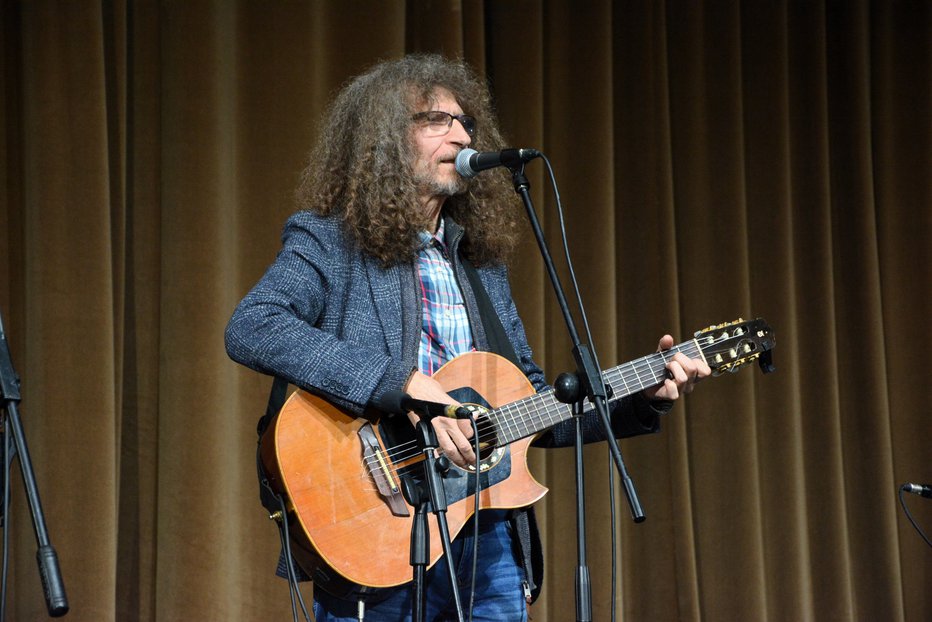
[276, 401]
[270, 501]
[494, 331]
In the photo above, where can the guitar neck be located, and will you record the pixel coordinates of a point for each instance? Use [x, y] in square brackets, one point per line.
[539, 412]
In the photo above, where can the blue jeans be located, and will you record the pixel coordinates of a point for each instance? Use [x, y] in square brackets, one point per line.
[499, 585]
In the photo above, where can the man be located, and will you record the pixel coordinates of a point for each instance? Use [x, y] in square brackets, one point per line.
[380, 282]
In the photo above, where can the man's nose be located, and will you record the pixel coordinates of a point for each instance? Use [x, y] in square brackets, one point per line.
[458, 134]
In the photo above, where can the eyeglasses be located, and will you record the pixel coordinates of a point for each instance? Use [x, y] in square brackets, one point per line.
[438, 122]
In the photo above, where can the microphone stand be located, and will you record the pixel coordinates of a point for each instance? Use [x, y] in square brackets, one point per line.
[566, 389]
[588, 382]
[52, 585]
[418, 497]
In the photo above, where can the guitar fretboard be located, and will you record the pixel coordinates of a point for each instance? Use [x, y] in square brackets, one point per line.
[538, 412]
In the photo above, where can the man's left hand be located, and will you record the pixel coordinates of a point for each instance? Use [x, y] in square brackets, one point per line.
[684, 374]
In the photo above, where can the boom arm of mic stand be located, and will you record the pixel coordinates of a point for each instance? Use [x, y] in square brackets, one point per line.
[588, 373]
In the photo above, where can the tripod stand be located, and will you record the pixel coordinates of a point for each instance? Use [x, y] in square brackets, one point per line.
[55, 599]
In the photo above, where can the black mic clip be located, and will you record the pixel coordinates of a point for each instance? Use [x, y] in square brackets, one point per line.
[923, 490]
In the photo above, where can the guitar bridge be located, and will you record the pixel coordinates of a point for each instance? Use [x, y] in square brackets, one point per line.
[380, 470]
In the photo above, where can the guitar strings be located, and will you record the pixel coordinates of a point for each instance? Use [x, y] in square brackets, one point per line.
[552, 411]
[656, 363]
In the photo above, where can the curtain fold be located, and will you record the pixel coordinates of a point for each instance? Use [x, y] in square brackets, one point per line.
[715, 161]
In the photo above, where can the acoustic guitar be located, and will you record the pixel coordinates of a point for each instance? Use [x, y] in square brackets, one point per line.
[341, 476]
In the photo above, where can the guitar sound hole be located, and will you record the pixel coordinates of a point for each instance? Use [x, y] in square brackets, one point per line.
[490, 452]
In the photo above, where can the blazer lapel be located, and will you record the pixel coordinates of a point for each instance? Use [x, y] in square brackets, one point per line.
[386, 286]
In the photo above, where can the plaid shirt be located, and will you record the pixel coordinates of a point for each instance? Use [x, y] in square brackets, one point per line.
[445, 332]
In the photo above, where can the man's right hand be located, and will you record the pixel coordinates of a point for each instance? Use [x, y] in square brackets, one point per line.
[453, 435]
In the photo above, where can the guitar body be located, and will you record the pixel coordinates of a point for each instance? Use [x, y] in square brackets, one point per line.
[344, 530]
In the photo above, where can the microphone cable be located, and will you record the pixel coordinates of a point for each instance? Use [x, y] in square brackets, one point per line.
[612, 525]
[475, 520]
[595, 359]
[289, 563]
[909, 516]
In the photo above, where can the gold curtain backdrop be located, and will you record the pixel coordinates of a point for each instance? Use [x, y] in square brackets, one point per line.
[715, 160]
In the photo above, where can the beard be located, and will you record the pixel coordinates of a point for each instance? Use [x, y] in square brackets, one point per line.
[447, 188]
[432, 183]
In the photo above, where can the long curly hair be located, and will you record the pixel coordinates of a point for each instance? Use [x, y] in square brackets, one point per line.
[362, 166]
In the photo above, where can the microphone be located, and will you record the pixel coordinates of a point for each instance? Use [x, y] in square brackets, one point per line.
[923, 490]
[399, 403]
[470, 162]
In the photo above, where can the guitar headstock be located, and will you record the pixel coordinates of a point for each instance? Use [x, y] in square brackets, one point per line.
[729, 347]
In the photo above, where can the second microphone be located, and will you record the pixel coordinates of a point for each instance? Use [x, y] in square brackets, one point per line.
[399, 403]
